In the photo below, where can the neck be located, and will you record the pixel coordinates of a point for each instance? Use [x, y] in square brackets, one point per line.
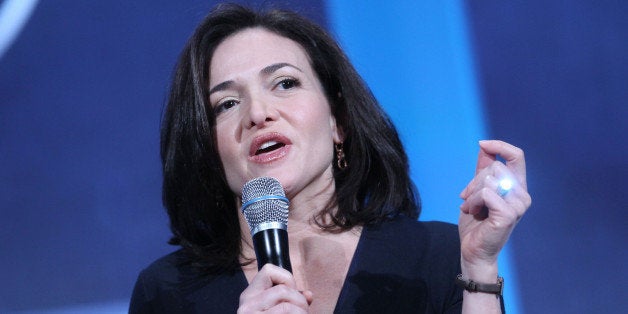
[304, 206]
[309, 200]
[301, 225]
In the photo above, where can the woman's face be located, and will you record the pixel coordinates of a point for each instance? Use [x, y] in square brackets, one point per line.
[272, 116]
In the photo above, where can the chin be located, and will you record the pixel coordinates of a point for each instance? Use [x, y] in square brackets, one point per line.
[284, 178]
[287, 182]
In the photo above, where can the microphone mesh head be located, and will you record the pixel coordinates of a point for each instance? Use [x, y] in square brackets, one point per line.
[265, 210]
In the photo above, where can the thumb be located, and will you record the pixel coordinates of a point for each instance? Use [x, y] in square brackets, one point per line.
[484, 159]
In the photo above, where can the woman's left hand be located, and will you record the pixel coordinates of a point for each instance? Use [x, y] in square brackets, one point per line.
[487, 218]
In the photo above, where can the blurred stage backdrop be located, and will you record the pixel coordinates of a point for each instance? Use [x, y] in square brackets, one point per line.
[82, 87]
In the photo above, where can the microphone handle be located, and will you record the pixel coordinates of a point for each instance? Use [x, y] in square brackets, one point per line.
[271, 246]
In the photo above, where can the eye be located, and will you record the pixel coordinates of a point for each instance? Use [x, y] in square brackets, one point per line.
[225, 105]
[288, 83]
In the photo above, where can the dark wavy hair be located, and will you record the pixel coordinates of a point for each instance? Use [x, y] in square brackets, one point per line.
[202, 209]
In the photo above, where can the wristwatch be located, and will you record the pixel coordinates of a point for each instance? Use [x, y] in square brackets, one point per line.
[472, 286]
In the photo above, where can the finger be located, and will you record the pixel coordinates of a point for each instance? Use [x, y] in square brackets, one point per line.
[271, 275]
[495, 169]
[487, 203]
[484, 159]
[514, 157]
[465, 192]
[270, 287]
[474, 184]
[280, 294]
[286, 308]
[309, 296]
[254, 300]
[475, 203]
[519, 200]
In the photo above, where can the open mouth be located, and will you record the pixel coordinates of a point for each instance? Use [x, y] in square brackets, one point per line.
[269, 147]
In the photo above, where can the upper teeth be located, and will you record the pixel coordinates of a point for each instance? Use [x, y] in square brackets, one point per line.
[268, 144]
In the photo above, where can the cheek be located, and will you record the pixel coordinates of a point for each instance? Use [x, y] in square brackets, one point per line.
[222, 145]
[225, 151]
[226, 141]
[230, 167]
[317, 116]
[228, 152]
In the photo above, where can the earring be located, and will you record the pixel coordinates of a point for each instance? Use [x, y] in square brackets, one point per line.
[340, 156]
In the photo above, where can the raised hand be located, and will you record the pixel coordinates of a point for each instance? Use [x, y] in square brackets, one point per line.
[487, 218]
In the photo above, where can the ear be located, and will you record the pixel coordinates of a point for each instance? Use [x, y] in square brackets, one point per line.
[336, 130]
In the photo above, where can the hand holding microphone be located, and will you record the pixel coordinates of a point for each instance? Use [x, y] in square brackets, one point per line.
[265, 207]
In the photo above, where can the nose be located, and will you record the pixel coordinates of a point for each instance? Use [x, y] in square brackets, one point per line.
[260, 112]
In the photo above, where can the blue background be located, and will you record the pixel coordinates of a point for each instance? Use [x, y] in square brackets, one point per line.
[82, 87]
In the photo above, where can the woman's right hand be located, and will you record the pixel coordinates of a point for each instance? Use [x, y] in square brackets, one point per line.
[274, 290]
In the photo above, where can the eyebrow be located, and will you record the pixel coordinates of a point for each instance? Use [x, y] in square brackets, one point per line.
[274, 67]
[265, 72]
[220, 87]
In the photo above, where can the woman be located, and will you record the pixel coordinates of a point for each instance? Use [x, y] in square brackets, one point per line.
[273, 95]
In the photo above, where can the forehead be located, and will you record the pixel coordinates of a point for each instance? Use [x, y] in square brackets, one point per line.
[253, 49]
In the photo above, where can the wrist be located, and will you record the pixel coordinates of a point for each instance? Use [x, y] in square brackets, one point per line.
[473, 286]
[480, 272]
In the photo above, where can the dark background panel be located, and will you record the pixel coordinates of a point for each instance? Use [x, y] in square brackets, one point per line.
[558, 70]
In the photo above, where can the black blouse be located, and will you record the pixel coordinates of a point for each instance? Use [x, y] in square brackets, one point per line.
[399, 266]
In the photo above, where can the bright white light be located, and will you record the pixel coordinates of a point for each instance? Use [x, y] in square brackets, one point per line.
[505, 185]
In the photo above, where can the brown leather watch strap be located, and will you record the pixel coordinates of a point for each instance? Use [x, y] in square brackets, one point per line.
[472, 286]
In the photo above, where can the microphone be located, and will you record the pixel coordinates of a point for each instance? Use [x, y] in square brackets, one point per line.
[265, 207]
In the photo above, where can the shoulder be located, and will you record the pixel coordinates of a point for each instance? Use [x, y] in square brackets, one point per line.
[404, 239]
[410, 230]
[172, 284]
[153, 282]
[166, 268]
[430, 250]
[157, 283]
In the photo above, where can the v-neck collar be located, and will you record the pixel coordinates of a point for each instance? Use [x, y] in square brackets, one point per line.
[354, 266]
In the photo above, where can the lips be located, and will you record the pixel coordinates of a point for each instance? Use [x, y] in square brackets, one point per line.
[268, 147]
